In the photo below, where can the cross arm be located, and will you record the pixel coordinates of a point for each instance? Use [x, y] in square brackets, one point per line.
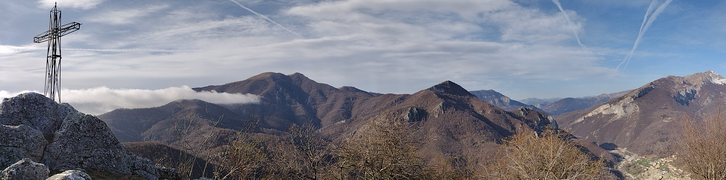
[61, 31]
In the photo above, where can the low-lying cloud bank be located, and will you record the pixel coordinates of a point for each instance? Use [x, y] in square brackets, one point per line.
[101, 100]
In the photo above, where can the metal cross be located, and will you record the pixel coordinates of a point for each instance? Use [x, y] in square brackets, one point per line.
[53, 56]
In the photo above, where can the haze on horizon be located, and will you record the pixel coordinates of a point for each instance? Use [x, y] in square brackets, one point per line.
[521, 48]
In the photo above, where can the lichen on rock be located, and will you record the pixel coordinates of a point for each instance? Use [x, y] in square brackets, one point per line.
[25, 169]
[18, 142]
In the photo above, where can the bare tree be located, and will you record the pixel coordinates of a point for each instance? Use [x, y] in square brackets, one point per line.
[307, 150]
[384, 150]
[546, 155]
[245, 157]
[702, 147]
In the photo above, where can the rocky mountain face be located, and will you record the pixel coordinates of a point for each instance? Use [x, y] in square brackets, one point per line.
[450, 119]
[645, 120]
[572, 104]
[500, 100]
[35, 129]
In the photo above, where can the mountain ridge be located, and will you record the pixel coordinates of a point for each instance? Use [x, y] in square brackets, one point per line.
[645, 120]
[452, 121]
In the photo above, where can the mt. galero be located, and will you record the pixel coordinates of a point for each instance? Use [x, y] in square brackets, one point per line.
[646, 120]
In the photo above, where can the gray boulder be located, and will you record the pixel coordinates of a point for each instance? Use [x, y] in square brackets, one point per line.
[25, 169]
[34, 110]
[70, 175]
[34, 126]
[18, 142]
[85, 142]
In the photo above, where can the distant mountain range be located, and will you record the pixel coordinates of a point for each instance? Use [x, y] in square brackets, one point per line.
[500, 100]
[553, 106]
[451, 121]
[646, 120]
[537, 102]
[571, 104]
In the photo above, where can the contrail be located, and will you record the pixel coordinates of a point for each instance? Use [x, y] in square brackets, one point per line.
[647, 21]
[640, 34]
[265, 17]
[557, 2]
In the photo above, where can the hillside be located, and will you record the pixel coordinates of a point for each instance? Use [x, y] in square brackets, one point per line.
[645, 120]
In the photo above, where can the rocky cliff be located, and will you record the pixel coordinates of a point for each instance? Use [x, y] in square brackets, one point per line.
[35, 128]
[646, 120]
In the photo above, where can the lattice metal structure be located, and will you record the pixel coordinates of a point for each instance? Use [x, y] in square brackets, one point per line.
[53, 56]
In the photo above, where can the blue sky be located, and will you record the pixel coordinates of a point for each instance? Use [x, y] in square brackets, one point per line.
[521, 48]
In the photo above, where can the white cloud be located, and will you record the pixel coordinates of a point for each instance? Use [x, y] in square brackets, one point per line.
[353, 9]
[102, 99]
[10, 49]
[126, 16]
[81, 4]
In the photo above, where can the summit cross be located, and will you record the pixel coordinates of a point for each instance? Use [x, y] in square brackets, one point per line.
[53, 55]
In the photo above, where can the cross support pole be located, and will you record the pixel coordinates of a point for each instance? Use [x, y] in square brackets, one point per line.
[53, 56]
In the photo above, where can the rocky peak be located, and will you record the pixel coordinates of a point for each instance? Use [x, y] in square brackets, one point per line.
[704, 77]
[35, 127]
[449, 87]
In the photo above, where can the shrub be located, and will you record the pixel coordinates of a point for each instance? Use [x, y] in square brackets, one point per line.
[385, 150]
[531, 155]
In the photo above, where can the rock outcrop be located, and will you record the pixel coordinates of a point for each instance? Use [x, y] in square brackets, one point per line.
[37, 128]
[36, 111]
[18, 142]
[25, 169]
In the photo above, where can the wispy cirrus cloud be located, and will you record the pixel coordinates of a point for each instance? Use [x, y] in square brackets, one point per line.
[352, 39]
[126, 16]
[81, 4]
[376, 45]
